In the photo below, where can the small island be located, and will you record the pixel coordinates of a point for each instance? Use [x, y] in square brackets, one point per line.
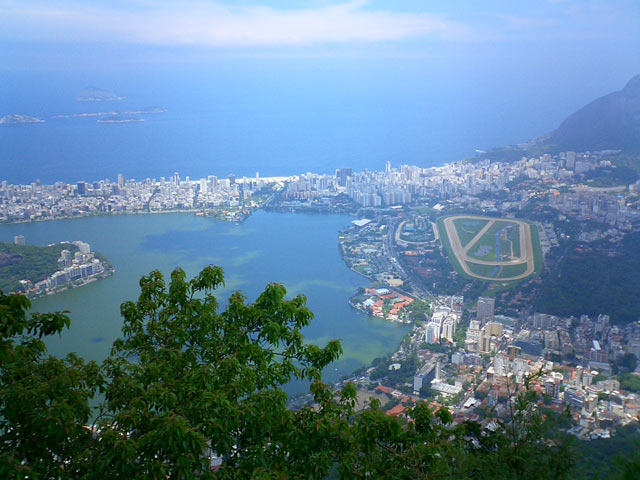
[140, 111]
[120, 119]
[17, 118]
[44, 270]
[147, 110]
[94, 94]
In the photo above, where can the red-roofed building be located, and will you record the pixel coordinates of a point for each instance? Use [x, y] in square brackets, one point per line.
[383, 389]
[396, 411]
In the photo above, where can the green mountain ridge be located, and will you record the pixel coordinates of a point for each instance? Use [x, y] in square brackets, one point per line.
[611, 122]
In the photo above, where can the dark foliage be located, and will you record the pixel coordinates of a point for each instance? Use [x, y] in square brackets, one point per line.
[592, 283]
[187, 382]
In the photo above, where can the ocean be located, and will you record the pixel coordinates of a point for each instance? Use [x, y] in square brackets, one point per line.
[275, 117]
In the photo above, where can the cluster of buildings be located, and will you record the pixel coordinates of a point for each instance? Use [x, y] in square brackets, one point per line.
[364, 248]
[484, 335]
[576, 358]
[481, 362]
[569, 362]
[466, 361]
[391, 187]
[38, 201]
[593, 205]
[453, 181]
[445, 317]
[539, 181]
[597, 403]
[384, 303]
[74, 268]
[543, 180]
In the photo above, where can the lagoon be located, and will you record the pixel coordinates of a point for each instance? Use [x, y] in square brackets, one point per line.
[297, 250]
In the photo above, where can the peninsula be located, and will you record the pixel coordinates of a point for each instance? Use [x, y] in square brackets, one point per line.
[45, 270]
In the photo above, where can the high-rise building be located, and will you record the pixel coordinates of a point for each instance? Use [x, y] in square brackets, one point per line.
[449, 329]
[387, 167]
[513, 351]
[342, 175]
[120, 180]
[432, 334]
[83, 247]
[65, 259]
[485, 309]
[582, 167]
[493, 328]
[82, 188]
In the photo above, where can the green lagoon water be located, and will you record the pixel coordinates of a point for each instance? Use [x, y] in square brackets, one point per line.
[300, 251]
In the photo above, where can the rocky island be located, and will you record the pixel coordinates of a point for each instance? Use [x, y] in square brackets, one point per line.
[17, 118]
[94, 94]
[148, 110]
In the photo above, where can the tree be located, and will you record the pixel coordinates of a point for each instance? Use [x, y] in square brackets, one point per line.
[205, 380]
[628, 361]
[43, 400]
[188, 383]
[418, 310]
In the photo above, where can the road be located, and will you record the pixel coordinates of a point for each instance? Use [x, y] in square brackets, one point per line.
[389, 251]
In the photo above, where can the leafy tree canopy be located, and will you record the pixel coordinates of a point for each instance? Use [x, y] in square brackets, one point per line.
[188, 382]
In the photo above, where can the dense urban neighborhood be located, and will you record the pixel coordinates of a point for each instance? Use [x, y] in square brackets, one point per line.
[465, 253]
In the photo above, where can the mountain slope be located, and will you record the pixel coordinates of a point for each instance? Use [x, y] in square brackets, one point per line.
[610, 122]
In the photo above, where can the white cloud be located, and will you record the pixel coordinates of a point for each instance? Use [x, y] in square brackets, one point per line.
[201, 23]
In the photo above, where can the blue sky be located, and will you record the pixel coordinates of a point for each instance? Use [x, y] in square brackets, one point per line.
[584, 47]
[316, 26]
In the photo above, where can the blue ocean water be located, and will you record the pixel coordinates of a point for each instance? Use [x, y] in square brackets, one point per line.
[276, 117]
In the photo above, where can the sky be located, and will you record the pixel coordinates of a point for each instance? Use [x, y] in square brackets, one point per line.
[192, 29]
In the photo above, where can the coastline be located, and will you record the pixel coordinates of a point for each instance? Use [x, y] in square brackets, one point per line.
[208, 214]
[105, 214]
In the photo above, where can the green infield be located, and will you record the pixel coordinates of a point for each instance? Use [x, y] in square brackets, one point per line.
[491, 249]
[501, 242]
[468, 228]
